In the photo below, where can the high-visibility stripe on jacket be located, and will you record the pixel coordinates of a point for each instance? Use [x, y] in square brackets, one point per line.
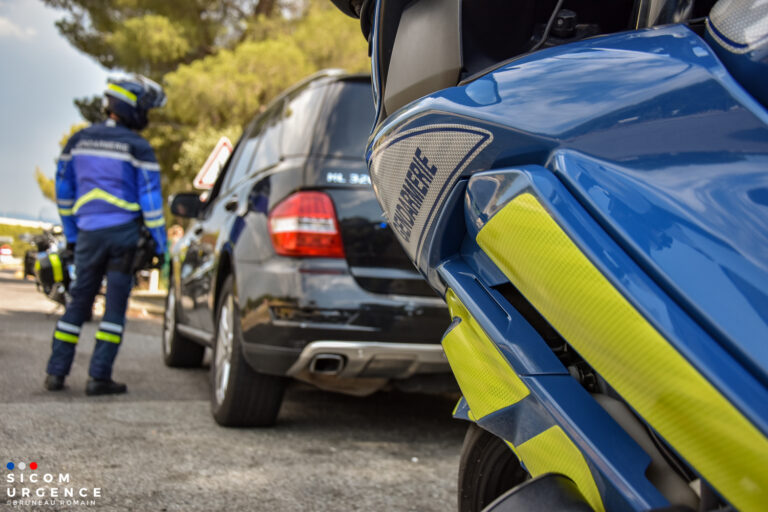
[108, 175]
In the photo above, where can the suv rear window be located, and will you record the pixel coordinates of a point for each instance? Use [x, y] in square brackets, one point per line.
[350, 118]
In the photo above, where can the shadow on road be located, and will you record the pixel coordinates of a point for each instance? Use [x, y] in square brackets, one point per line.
[26, 324]
[158, 447]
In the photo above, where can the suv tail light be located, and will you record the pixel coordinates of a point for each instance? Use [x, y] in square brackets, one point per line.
[304, 224]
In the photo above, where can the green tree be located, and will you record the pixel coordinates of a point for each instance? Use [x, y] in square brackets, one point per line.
[154, 36]
[230, 86]
[219, 61]
[47, 185]
[91, 108]
[72, 130]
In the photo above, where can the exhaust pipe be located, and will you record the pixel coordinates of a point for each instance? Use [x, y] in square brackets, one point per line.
[327, 364]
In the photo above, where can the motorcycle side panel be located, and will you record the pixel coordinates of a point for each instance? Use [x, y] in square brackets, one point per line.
[650, 133]
[642, 155]
[544, 263]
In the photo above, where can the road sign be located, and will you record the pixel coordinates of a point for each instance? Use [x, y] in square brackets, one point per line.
[213, 165]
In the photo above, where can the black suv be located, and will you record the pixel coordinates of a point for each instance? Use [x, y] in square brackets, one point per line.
[290, 270]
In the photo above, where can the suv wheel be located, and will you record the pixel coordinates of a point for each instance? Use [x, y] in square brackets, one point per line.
[178, 351]
[241, 397]
[488, 468]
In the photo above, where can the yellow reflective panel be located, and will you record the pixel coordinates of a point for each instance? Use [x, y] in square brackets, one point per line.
[659, 383]
[108, 336]
[553, 452]
[58, 271]
[122, 91]
[99, 194]
[65, 336]
[486, 379]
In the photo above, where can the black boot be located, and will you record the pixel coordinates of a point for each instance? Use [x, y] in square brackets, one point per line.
[104, 387]
[54, 382]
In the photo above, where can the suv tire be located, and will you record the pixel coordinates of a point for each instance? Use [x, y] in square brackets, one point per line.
[240, 396]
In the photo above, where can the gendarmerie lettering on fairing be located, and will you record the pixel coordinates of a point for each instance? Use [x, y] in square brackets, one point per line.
[415, 188]
[414, 169]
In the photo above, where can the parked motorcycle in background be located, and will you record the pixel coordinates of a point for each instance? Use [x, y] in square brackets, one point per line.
[51, 264]
[586, 183]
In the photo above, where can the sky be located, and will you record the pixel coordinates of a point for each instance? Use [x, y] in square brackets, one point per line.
[40, 75]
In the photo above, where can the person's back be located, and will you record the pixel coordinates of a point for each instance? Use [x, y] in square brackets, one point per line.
[107, 183]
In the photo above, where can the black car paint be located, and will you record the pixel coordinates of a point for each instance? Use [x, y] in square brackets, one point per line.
[374, 294]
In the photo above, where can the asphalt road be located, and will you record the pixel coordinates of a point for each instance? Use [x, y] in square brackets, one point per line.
[157, 447]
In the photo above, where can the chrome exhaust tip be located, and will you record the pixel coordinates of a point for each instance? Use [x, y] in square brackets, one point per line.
[327, 364]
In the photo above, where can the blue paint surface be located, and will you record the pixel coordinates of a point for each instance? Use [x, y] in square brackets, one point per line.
[654, 160]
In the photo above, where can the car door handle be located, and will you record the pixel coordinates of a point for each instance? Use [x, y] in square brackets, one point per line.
[231, 205]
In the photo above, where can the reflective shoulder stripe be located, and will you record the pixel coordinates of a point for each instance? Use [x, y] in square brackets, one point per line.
[154, 223]
[117, 155]
[65, 158]
[99, 194]
[147, 166]
[66, 212]
[65, 202]
[104, 153]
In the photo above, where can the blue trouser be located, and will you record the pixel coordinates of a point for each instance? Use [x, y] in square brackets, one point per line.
[109, 252]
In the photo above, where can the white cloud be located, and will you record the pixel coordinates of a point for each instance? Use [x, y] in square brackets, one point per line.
[9, 29]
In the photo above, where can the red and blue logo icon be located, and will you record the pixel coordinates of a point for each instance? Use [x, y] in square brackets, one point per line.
[21, 466]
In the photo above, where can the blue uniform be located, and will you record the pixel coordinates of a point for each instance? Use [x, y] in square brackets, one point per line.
[107, 184]
[107, 176]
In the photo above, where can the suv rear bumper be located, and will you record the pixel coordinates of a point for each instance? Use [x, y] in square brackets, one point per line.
[287, 305]
[365, 359]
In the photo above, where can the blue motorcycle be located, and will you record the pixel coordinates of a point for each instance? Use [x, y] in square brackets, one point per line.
[586, 183]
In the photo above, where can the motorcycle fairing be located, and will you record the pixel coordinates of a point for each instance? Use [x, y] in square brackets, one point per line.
[412, 173]
[641, 116]
[575, 125]
[566, 403]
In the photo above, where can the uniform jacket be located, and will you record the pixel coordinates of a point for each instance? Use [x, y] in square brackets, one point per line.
[108, 175]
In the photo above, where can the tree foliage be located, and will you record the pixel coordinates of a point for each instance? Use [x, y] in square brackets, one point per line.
[149, 44]
[232, 85]
[220, 61]
[155, 36]
[46, 184]
[72, 130]
[91, 109]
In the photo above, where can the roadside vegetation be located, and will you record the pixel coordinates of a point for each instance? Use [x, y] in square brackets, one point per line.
[220, 61]
[17, 246]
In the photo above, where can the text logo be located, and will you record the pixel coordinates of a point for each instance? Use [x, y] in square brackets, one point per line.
[27, 487]
[415, 187]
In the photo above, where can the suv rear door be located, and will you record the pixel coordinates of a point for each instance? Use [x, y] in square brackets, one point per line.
[197, 279]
